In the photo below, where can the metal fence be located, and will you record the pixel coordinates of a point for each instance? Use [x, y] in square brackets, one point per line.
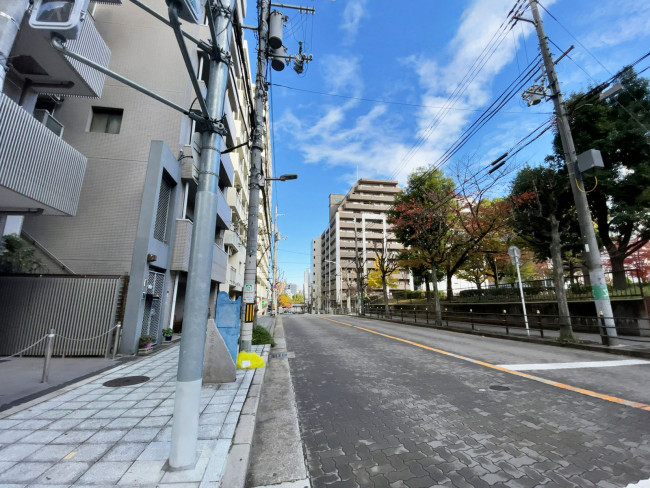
[81, 309]
[636, 329]
[577, 288]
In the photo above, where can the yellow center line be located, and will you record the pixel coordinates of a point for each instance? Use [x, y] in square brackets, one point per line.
[557, 384]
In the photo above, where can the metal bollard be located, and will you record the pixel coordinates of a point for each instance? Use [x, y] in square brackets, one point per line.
[116, 343]
[539, 324]
[471, 318]
[446, 317]
[427, 315]
[401, 314]
[415, 316]
[505, 321]
[48, 356]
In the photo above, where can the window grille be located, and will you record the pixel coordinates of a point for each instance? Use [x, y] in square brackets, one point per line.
[162, 213]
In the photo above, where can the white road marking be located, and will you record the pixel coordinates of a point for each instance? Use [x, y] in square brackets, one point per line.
[585, 364]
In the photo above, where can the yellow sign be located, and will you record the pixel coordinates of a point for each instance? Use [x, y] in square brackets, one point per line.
[250, 312]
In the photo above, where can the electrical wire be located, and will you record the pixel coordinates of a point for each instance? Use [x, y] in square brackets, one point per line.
[391, 102]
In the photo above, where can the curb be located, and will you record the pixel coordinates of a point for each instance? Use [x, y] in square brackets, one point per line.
[234, 475]
[585, 347]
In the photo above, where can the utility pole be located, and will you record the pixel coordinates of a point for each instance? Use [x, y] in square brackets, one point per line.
[185, 427]
[276, 239]
[359, 269]
[594, 265]
[257, 179]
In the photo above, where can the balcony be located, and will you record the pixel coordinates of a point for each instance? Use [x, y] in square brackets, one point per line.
[181, 253]
[38, 170]
[53, 73]
[233, 242]
[236, 205]
[235, 279]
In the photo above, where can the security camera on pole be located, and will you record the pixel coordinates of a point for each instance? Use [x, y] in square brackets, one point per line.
[270, 45]
[591, 249]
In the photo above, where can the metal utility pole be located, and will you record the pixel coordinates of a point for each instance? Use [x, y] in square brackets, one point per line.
[594, 265]
[185, 427]
[359, 268]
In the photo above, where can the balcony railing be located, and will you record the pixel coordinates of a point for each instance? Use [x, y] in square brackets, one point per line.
[39, 168]
[181, 252]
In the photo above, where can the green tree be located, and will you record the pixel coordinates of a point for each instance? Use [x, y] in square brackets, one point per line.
[298, 298]
[620, 198]
[17, 257]
[422, 220]
[543, 216]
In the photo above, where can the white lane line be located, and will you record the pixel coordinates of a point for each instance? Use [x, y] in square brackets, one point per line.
[585, 364]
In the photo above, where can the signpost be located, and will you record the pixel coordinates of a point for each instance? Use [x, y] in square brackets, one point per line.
[515, 256]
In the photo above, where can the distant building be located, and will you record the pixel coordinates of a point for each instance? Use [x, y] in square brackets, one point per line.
[357, 224]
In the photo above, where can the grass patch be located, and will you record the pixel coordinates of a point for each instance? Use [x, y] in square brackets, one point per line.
[262, 336]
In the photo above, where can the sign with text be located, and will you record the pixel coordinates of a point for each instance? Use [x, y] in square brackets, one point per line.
[249, 293]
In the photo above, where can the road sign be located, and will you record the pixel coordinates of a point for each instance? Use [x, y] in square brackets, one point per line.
[515, 254]
[249, 293]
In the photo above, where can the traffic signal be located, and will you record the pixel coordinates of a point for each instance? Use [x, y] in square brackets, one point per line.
[61, 17]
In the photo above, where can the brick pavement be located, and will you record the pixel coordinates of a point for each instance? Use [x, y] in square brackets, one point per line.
[378, 413]
[92, 435]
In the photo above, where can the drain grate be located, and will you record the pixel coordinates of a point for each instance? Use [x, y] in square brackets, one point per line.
[127, 381]
[499, 388]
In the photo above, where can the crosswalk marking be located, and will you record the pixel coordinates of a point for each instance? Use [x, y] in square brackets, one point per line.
[576, 365]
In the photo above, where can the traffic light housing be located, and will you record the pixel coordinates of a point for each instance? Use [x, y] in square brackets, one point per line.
[62, 17]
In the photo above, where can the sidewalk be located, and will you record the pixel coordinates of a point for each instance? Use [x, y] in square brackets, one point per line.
[628, 345]
[88, 434]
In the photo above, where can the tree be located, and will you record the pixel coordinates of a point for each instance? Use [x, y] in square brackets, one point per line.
[298, 298]
[422, 221]
[541, 206]
[386, 264]
[17, 257]
[284, 300]
[620, 199]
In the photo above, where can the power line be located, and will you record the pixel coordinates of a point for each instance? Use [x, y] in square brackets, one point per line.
[387, 102]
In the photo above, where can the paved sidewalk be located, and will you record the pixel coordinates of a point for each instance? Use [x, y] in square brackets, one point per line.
[628, 345]
[92, 435]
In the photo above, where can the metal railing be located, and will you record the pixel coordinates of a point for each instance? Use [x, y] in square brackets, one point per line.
[49, 346]
[629, 329]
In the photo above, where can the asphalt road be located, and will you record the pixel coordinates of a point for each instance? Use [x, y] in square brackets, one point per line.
[448, 409]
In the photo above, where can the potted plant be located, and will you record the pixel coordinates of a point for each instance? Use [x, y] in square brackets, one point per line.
[167, 334]
[145, 344]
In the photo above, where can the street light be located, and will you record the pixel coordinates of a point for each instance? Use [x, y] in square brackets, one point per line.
[283, 178]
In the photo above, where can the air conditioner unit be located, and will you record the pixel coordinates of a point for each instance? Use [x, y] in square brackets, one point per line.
[49, 121]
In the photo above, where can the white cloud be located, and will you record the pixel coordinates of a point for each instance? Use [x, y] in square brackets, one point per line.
[348, 135]
[355, 11]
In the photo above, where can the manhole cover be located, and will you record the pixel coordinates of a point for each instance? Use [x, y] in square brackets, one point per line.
[127, 381]
[499, 388]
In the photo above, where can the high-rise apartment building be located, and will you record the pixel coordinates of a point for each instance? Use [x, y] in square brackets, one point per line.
[133, 215]
[357, 227]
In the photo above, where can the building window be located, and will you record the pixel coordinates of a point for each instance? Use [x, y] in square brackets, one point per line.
[106, 120]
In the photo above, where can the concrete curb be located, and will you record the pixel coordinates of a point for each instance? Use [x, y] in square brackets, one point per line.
[545, 342]
[234, 475]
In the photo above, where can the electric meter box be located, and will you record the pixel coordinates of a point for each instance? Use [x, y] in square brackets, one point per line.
[589, 160]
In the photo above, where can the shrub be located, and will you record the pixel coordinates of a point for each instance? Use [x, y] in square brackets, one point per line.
[145, 340]
[167, 332]
[262, 336]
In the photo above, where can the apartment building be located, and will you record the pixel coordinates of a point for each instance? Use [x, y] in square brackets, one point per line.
[357, 224]
[118, 196]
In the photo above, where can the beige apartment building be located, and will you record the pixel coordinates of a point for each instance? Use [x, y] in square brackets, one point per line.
[127, 179]
[357, 226]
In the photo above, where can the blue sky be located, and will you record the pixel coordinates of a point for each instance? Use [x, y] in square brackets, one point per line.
[413, 54]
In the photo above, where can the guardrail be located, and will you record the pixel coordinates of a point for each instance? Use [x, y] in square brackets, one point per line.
[630, 329]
